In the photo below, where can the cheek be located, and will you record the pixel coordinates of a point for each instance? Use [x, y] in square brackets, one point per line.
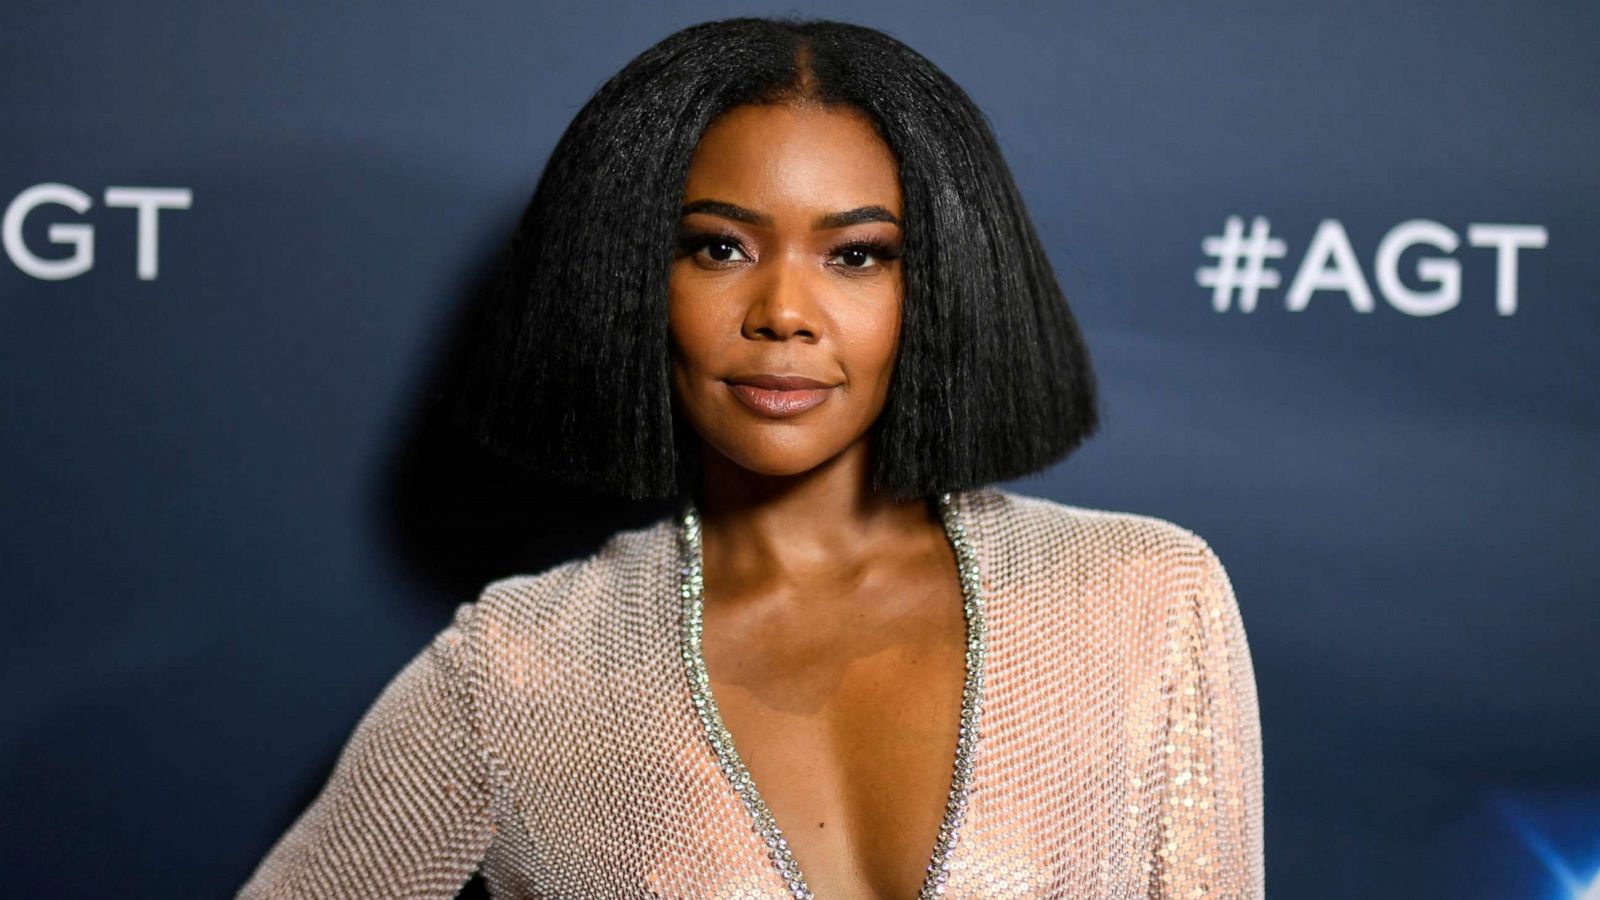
[698, 330]
[873, 331]
[690, 330]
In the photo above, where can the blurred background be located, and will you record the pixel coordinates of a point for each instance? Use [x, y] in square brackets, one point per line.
[1336, 265]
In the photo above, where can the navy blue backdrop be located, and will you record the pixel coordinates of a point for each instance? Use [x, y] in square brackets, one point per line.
[1336, 264]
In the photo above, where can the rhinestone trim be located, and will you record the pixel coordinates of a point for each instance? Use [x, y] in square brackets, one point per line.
[692, 594]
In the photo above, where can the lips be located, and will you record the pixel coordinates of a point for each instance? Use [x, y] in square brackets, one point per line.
[779, 396]
[780, 382]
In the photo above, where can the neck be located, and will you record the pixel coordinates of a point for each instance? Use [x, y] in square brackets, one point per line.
[810, 522]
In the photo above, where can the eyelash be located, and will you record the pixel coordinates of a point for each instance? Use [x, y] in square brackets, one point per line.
[691, 243]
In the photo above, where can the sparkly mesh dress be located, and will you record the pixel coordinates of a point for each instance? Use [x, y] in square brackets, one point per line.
[560, 736]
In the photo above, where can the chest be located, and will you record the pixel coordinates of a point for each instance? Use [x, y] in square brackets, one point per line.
[606, 785]
[844, 705]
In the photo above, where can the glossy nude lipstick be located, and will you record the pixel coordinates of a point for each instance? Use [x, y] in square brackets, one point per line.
[779, 396]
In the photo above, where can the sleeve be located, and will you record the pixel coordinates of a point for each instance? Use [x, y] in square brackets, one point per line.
[1209, 836]
[406, 812]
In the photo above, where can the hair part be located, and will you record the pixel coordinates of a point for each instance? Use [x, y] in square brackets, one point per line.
[569, 370]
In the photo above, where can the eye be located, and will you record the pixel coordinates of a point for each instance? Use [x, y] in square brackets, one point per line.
[724, 250]
[711, 248]
[864, 255]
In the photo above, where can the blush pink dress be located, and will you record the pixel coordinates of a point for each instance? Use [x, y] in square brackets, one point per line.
[551, 738]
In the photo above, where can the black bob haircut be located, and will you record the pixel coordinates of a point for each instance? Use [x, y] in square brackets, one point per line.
[568, 368]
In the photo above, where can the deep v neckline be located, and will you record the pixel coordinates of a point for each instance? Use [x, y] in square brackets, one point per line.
[692, 625]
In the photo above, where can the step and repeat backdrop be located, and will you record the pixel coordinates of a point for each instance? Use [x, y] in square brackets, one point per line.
[1337, 266]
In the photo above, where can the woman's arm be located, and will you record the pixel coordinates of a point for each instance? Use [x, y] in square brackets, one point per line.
[1209, 833]
[406, 811]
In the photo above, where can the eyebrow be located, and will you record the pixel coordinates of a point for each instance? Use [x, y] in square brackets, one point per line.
[830, 220]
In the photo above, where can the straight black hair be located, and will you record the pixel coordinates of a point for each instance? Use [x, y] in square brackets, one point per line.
[568, 368]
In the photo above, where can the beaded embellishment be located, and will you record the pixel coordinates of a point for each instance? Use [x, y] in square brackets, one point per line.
[692, 593]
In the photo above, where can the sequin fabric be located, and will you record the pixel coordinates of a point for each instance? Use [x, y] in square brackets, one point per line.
[549, 737]
[693, 594]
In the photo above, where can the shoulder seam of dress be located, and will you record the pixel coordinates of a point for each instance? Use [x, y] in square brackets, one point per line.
[1072, 510]
[455, 647]
[535, 580]
[502, 599]
[619, 542]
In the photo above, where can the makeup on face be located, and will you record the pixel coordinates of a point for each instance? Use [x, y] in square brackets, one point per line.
[780, 396]
[785, 296]
[728, 249]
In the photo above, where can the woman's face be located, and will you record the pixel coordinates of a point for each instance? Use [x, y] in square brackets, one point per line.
[784, 299]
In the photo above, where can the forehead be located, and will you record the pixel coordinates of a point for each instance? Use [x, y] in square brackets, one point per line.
[808, 157]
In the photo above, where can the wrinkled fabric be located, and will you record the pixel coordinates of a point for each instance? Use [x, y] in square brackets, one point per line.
[547, 738]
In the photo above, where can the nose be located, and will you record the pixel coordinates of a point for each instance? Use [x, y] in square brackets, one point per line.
[782, 305]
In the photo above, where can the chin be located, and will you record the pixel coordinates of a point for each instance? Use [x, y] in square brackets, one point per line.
[778, 462]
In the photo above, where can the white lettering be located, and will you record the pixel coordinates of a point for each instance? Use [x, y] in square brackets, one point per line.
[79, 236]
[1507, 240]
[1330, 244]
[1446, 273]
[149, 202]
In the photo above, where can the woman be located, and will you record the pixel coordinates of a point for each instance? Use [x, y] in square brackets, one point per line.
[780, 271]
